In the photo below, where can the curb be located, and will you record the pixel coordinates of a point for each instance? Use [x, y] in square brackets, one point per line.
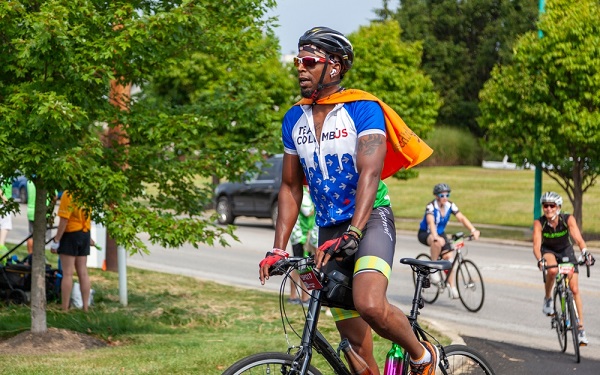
[455, 338]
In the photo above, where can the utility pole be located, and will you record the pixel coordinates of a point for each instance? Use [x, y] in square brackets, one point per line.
[537, 186]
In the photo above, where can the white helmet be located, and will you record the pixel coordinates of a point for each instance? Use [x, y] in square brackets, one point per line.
[551, 197]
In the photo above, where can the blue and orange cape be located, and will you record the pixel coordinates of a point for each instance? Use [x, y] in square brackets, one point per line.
[404, 148]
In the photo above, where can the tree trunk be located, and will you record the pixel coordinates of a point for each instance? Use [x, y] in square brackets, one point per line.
[120, 97]
[38, 267]
[578, 194]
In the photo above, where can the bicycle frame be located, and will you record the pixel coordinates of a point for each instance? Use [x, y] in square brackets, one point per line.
[453, 358]
[310, 334]
[458, 258]
[562, 285]
[312, 338]
[417, 304]
[566, 315]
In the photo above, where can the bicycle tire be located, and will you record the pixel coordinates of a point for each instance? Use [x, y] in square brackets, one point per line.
[470, 285]
[431, 294]
[265, 363]
[464, 360]
[559, 321]
[574, 326]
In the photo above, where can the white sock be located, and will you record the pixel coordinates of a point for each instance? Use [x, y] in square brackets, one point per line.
[425, 359]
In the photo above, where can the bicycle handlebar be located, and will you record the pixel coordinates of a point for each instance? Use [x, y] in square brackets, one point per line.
[578, 262]
[281, 266]
[458, 235]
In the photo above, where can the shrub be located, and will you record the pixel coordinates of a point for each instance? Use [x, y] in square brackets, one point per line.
[453, 146]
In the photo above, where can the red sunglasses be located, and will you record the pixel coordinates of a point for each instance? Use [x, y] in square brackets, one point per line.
[308, 61]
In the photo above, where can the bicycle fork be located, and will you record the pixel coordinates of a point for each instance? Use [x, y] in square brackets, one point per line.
[304, 355]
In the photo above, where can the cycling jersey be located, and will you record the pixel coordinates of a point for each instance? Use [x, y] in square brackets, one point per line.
[330, 164]
[433, 208]
[557, 241]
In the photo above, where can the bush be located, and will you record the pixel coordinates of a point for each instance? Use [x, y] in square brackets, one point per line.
[452, 146]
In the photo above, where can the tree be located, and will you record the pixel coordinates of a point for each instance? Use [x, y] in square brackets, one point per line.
[544, 108]
[389, 68]
[462, 41]
[247, 102]
[57, 60]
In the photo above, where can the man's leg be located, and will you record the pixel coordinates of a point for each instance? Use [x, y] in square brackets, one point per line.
[358, 332]
[388, 321]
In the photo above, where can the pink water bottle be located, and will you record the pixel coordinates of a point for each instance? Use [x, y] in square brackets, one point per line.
[394, 361]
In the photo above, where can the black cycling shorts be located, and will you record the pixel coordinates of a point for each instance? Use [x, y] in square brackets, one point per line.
[375, 250]
[567, 252]
[423, 235]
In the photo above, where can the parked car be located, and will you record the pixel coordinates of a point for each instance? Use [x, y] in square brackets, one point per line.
[256, 196]
[19, 189]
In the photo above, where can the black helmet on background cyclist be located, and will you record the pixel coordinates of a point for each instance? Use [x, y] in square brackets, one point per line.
[440, 188]
[331, 41]
[551, 197]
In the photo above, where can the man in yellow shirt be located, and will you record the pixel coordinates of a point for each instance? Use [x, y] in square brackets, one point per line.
[72, 243]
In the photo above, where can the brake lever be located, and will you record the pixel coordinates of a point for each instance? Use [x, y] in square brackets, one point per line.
[279, 268]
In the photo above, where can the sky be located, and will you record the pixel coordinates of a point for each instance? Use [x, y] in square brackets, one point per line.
[295, 17]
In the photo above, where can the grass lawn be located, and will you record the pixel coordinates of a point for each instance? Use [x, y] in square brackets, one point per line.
[488, 197]
[172, 325]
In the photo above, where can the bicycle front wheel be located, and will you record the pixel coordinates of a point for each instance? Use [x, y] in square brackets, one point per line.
[559, 320]
[574, 327]
[429, 295]
[470, 285]
[265, 363]
[461, 359]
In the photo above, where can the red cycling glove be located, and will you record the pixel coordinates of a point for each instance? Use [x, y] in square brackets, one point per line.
[345, 245]
[273, 257]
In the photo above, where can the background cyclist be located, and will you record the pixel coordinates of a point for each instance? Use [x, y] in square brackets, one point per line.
[432, 230]
[552, 236]
[299, 237]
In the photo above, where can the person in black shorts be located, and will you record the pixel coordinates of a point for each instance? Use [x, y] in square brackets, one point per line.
[336, 140]
[432, 229]
[552, 234]
[72, 243]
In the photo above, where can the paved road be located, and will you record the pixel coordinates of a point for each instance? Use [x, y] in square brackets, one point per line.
[510, 328]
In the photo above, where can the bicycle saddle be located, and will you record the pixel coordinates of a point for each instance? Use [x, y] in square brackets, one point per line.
[434, 264]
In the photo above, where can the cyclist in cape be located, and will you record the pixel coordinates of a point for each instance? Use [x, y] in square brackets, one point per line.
[336, 139]
[432, 229]
[553, 233]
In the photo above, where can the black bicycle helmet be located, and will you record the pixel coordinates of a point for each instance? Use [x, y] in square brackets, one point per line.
[439, 188]
[332, 42]
[551, 197]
